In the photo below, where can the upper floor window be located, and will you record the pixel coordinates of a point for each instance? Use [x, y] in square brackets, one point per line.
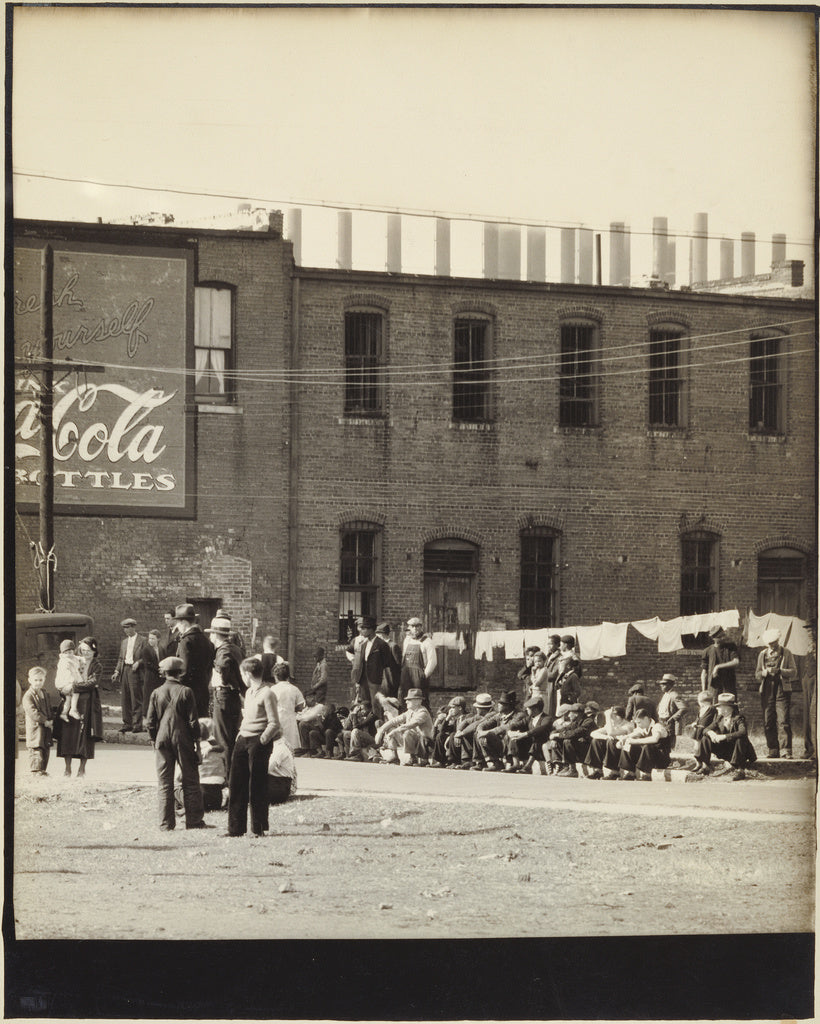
[471, 375]
[363, 361]
[766, 385]
[781, 582]
[538, 594]
[359, 575]
[700, 551]
[213, 342]
[665, 378]
[578, 387]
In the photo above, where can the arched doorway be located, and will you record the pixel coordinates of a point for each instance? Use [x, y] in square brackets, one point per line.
[450, 573]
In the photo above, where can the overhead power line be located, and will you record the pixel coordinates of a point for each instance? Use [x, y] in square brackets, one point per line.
[671, 233]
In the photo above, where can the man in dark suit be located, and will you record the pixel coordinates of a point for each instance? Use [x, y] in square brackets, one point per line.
[137, 661]
[168, 637]
[227, 685]
[197, 655]
[372, 657]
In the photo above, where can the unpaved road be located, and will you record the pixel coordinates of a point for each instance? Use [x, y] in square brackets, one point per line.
[372, 852]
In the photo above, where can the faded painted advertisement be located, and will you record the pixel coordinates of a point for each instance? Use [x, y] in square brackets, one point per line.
[122, 438]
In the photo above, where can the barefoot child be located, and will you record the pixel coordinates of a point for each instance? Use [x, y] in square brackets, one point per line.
[68, 676]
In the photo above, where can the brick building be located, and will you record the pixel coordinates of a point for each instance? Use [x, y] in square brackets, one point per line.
[490, 454]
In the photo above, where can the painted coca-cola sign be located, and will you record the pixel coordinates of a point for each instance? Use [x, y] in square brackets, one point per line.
[122, 438]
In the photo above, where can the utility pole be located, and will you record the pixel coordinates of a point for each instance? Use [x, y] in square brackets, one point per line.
[45, 559]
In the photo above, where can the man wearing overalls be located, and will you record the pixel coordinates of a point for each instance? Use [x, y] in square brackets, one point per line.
[418, 662]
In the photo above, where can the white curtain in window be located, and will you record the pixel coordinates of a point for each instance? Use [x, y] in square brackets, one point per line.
[201, 363]
[218, 366]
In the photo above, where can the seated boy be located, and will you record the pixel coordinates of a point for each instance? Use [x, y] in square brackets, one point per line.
[644, 748]
[707, 713]
[615, 725]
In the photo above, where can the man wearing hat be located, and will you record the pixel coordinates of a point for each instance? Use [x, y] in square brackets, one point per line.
[671, 707]
[718, 664]
[463, 739]
[527, 745]
[372, 658]
[444, 726]
[173, 725]
[226, 685]
[418, 660]
[393, 674]
[197, 655]
[775, 673]
[640, 751]
[137, 660]
[491, 733]
[727, 738]
[407, 737]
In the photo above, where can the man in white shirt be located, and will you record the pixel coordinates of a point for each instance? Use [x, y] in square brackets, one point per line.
[135, 651]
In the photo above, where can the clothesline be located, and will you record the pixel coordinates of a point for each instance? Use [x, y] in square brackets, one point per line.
[608, 639]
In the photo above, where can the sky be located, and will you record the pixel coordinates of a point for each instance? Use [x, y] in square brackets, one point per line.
[545, 115]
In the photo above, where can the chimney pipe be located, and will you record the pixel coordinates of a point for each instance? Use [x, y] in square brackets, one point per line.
[747, 254]
[585, 241]
[778, 248]
[659, 246]
[700, 249]
[394, 243]
[294, 233]
[727, 259]
[509, 252]
[442, 247]
[491, 251]
[567, 255]
[536, 254]
[344, 258]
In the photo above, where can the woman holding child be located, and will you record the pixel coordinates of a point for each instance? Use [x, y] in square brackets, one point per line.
[77, 736]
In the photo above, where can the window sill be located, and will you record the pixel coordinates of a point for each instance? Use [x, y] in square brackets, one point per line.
[678, 432]
[470, 425]
[579, 431]
[363, 421]
[230, 410]
[766, 438]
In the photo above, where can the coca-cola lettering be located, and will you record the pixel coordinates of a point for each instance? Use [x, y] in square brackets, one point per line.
[65, 298]
[124, 438]
[129, 325]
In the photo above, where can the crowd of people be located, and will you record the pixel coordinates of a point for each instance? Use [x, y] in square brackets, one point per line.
[226, 728]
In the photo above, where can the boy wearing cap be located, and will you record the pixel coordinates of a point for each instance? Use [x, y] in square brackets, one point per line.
[463, 739]
[358, 732]
[636, 699]
[491, 733]
[174, 730]
[197, 655]
[718, 664]
[569, 682]
[727, 738]
[407, 736]
[671, 707]
[775, 672]
[524, 675]
[418, 661]
[39, 720]
[135, 653]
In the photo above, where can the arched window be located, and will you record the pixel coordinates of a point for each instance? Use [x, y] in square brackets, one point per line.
[213, 342]
[364, 357]
[766, 377]
[472, 341]
[699, 572]
[359, 575]
[781, 582]
[578, 374]
[667, 398]
[538, 593]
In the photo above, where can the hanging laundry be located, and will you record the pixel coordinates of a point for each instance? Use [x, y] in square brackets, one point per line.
[514, 643]
[793, 634]
[588, 642]
[650, 628]
[669, 638]
[613, 639]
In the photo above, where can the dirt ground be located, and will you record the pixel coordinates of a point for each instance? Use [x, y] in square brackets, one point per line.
[91, 863]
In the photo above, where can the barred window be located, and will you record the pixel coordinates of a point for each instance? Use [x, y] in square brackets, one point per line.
[363, 363]
[665, 378]
[359, 575]
[578, 385]
[471, 375]
[213, 342]
[700, 552]
[538, 601]
[765, 386]
[781, 582]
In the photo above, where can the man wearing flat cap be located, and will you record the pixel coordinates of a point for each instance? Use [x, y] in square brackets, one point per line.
[197, 655]
[718, 664]
[137, 662]
[637, 700]
[775, 673]
[671, 707]
[491, 733]
[418, 660]
[372, 658]
[444, 725]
